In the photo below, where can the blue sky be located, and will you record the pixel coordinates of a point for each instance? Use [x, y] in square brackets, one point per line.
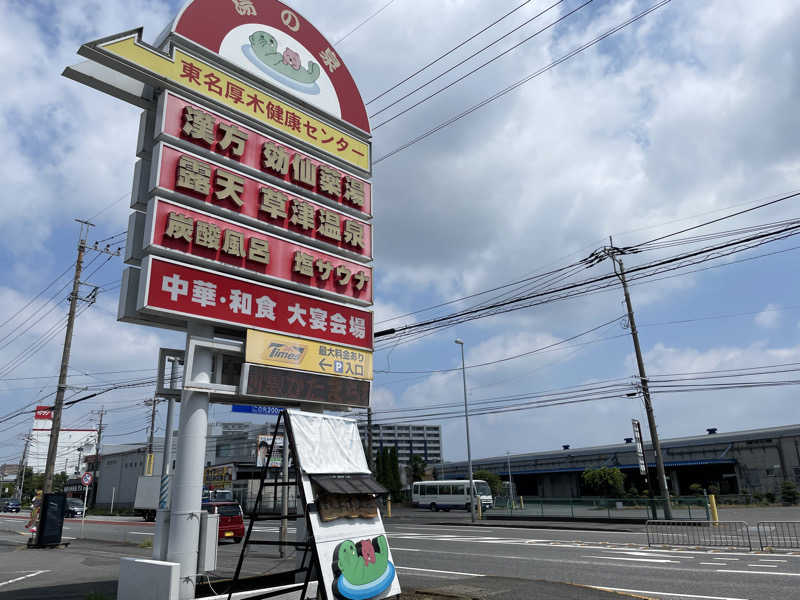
[674, 121]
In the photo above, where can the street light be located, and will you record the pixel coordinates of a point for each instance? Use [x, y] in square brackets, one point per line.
[466, 421]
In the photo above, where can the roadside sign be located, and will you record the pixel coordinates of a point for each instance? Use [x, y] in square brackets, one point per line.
[637, 436]
[256, 410]
[173, 288]
[276, 350]
[282, 385]
[179, 70]
[86, 479]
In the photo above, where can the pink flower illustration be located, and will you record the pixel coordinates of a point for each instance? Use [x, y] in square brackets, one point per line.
[367, 552]
[291, 58]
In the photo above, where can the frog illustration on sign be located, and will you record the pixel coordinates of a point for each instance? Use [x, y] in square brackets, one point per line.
[363, 568]
[265, 48]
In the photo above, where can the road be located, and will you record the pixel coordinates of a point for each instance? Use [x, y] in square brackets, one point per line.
[429, 554]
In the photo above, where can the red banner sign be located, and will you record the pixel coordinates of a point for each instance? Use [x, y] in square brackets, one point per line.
[214, 239]
[239, 194]
[207, 129]
[44, 412]
[175, 288]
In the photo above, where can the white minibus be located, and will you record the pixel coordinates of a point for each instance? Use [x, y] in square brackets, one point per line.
[450, 493]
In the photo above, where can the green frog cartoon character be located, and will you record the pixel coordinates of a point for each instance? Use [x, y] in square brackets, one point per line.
[287, 63]
[363, 569]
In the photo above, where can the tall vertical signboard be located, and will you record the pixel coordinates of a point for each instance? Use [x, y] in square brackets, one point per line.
[251, 197]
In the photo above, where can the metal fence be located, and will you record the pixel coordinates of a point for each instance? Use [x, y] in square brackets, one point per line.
[724, 534]
[594, 508]
[779, 535]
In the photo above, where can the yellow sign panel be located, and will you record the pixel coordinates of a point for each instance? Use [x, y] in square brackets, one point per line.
[317, 357]
[211, 82]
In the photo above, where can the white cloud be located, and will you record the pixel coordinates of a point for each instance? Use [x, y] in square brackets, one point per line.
[768, 318]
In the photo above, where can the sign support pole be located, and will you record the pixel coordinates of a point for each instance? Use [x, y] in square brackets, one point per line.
[187, 488]
[83, 516]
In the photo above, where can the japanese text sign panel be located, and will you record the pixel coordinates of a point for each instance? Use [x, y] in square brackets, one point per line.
[216, 240]
[280, 384]
[294, 353]
[184, 120]
[174, 288]
[183, 70]
[240, 194]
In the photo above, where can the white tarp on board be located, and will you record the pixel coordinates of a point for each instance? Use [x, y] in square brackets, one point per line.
[327, 444]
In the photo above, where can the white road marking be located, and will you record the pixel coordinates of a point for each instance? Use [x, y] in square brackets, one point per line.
[395, 548]
[520, 529]
[764, 566]
[759, 572]
[140, 533]
[443, 572]
[715, 564]
[771, 560]
[658, 555]
[652, 560]
[34, 574]
[610, 589]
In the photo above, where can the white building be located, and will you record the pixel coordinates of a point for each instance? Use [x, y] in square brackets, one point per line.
[73, 444]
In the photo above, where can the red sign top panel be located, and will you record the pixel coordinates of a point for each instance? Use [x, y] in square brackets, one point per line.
[204, 128]
[176, 288]
[276, 44]
[219, 186]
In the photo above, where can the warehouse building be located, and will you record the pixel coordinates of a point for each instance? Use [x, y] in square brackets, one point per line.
[739, 462]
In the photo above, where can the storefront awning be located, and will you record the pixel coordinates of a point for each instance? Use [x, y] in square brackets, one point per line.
[348, 484]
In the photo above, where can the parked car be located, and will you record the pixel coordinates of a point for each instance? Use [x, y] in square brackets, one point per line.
[74, 508]
[11, 506]
[231, 523]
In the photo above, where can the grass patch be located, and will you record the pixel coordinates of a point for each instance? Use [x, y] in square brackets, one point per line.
[148, 543]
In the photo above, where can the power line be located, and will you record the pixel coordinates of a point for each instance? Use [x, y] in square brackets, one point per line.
[517, 84]
[476, 69]
[453, 49]
[362, 23]
[508, 358]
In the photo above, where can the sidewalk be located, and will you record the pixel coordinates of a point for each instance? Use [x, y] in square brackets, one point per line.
[493, 588]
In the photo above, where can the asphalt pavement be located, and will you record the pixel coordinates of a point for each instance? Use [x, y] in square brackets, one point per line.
[434, 553]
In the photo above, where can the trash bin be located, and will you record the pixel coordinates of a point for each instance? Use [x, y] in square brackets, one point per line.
[51, 521]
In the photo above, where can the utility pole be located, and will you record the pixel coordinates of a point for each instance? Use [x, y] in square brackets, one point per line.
[95, 483]
[58, 407]
[149, 463]
[370, 462]
[613, 253]
[21, 471]
[52, 448]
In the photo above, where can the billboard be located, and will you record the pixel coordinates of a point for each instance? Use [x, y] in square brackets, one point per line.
[262, 449]
[327, 359]
[172, 288]
[177, 231]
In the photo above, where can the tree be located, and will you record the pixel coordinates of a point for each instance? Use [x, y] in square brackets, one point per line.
[789, 493]
[416, 468]
[605, 481]
[395, 483]
[494, 481]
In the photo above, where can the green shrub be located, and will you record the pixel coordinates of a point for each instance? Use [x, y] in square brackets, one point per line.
[789, 492]
[605, 481]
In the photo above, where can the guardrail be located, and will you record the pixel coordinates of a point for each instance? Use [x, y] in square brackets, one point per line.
[723, 534]
[779, 535]
[598, 508]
